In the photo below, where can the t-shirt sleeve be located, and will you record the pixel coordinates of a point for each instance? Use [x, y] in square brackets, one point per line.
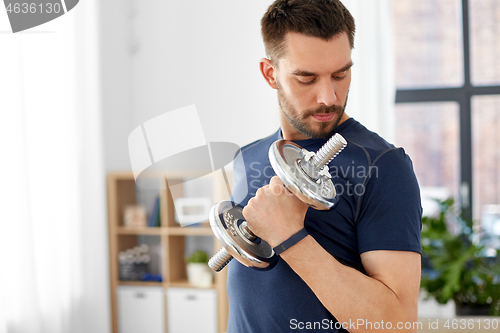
[240, 188]
[390, 213]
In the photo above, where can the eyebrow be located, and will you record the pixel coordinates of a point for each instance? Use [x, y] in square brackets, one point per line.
[300, 72]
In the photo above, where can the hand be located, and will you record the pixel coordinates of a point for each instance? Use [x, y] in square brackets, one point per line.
[275, 214]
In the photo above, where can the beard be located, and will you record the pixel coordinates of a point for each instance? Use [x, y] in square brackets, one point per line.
[321, 130]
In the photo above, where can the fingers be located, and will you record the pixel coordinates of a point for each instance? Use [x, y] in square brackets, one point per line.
[262, 191]
[273, 212]
[278, 187]
[275, 181]
[267, 195]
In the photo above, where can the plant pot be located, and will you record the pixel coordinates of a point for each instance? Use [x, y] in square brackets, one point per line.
[199, 275]
[472, 309]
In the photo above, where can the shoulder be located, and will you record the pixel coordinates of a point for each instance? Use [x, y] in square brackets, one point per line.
[370, 143]
[260, 145]
[376, 149]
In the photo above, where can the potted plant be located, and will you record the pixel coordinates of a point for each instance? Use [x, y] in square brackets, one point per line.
[198, 272]
[454, 264]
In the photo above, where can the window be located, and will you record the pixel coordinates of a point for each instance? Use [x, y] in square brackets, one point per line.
[448, 98]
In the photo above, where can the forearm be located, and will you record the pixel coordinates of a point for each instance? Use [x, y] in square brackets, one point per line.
[347, 293]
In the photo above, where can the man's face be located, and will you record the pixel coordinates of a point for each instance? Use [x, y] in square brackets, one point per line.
[313, 80]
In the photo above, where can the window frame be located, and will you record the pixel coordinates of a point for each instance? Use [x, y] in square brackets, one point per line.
[463, 96]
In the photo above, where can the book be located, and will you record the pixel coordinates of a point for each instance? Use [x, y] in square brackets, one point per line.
[155, 219]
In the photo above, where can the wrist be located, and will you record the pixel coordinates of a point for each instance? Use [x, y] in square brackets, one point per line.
[291, 241]
[285, 233]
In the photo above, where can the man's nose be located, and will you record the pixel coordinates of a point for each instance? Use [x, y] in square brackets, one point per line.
[326, 93]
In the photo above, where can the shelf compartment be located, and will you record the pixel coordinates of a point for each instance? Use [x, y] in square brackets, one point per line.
[129, 241]
[176, 270]
[125, 189]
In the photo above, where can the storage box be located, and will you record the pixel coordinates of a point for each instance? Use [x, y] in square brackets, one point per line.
[140, 309]
[191, 310]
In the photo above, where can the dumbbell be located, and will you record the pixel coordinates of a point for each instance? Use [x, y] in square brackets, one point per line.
[304, 173]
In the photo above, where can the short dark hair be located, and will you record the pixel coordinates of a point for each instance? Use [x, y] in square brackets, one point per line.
[315, 18]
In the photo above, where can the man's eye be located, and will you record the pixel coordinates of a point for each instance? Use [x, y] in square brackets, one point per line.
[341, 76]
[307, 82]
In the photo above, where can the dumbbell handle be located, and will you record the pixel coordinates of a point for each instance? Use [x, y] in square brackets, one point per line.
[245, 230]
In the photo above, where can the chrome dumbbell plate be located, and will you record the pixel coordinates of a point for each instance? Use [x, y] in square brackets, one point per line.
[287, 159]
[227, 222]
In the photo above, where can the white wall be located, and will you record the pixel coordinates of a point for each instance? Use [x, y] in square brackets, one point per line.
[158, 56]
[96, 309]
[116, 81]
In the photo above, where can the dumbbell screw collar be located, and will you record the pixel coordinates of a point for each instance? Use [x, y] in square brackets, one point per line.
[329, 151]
[220, 260]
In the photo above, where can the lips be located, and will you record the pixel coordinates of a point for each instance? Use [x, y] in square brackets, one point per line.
[323, 117]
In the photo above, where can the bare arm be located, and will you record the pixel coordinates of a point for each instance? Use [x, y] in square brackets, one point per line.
[389, 293]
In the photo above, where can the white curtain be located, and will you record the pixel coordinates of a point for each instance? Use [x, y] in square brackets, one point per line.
[53, 272]
[372, 94]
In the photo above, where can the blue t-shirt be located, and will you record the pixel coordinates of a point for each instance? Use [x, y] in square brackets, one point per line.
[378, 209]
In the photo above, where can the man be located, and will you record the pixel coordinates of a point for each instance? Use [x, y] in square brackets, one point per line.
[358, 268]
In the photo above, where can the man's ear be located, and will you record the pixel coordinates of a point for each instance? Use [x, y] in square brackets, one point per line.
[268, 71]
